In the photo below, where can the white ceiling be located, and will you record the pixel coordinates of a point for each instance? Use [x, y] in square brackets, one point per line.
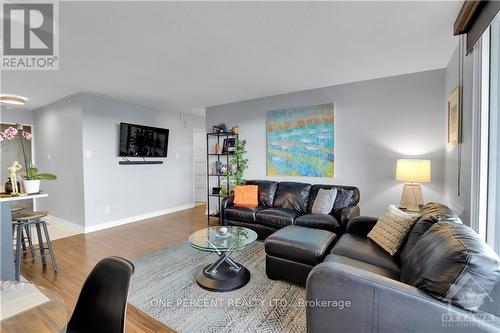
[186, 56]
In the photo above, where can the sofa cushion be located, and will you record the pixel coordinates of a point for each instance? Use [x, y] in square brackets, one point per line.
[362, 265]
[429, 214]
[364, 249]
[391, 229]
[451, 263]
[318, 221]
[323, 204]
[291, 195]
[267, 191]
[300, 244]
[276, 217]
[343, 199]
[246, 195]
[315, 189]
[242, 213]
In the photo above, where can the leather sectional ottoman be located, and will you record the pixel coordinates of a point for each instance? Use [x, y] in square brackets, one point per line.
[293, 251]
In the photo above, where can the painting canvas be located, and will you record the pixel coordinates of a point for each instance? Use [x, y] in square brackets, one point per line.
[300, 141]
[454, 117]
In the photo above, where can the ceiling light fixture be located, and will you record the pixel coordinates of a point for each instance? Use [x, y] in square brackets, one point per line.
[12, 99]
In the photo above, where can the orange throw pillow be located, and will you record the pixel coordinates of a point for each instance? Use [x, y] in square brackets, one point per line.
[246, 195]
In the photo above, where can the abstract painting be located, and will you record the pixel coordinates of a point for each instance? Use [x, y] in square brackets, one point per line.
[300, 141]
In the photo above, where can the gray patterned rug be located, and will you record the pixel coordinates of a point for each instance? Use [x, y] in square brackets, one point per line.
[164, 287]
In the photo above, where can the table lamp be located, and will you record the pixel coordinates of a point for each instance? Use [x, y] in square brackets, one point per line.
[413, 172]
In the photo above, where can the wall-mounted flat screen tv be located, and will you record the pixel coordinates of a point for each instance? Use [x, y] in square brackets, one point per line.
[143, 141]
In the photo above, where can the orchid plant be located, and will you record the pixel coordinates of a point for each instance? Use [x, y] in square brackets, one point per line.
[30, 173]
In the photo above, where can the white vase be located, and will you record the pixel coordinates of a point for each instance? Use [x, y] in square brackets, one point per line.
[31, 186]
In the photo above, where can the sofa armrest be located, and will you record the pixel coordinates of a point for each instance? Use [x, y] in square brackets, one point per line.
[361, 225]
[347, 213]
[225, 203]
[343, 298]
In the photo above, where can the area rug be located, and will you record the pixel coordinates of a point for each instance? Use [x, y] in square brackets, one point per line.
[164, 287]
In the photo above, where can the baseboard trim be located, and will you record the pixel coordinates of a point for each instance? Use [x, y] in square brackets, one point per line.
[66, 223]
[131, 219]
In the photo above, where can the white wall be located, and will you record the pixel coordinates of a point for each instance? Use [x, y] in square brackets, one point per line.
[132, 190]
[376, 122]
[58, 148]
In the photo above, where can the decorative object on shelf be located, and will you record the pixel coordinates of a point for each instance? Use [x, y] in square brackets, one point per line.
[216, 190]
[229, 146]
[224, 191]
[13, 177]
[8, 186]
[31, 177]
[235, 129]
[220, 128]
[413, 172]
[223, 169]
[238, 162]
[218, 166]
[217, 148]
[454, 118]
[300, 141]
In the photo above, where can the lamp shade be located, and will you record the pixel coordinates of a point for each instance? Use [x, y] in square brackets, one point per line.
[415, 171]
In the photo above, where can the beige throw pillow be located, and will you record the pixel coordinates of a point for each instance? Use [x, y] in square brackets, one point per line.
[391, 229]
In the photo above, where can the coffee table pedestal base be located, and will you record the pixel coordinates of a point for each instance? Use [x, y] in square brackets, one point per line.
[224, 278]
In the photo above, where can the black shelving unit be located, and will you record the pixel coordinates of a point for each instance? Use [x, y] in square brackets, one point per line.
[216, 199]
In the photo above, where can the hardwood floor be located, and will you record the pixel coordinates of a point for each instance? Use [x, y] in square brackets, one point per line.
[77, 255]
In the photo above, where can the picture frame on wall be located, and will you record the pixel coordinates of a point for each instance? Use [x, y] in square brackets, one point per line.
[454, 117]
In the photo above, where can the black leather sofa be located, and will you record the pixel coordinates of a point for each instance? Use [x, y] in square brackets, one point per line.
[385, 293]
[288, 203]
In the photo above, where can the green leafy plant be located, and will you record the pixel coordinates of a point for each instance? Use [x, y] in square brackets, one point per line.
[239, 162]
[221, 126]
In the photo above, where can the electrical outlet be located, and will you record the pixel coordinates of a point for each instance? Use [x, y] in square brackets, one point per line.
[107, 210]
[48, 156]
[88, 153]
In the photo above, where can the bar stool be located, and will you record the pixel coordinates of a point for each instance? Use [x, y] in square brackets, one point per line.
[27, 228]
[29, 219]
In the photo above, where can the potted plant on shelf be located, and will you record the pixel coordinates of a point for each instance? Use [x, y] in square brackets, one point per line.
[31, 176]
[221, 127]
[238, 162]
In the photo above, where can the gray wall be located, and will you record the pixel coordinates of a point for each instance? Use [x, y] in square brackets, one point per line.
[376, 122]
[81, 135]
[138, 189]
[459, 202]
[58, 149]
[15, 115]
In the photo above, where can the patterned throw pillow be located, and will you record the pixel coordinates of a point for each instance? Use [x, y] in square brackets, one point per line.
[391, 229]
[324, 201]
[343, 199]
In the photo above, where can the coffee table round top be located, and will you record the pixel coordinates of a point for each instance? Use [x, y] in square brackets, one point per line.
[212, 239]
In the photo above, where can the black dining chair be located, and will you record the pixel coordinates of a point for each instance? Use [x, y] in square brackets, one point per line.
[102, 304]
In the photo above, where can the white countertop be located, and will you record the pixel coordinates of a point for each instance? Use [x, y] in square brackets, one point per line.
[25, 197]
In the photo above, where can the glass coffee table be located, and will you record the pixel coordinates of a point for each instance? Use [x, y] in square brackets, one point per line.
[225, 274]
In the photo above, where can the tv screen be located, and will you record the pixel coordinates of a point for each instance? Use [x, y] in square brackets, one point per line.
[143, 141]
